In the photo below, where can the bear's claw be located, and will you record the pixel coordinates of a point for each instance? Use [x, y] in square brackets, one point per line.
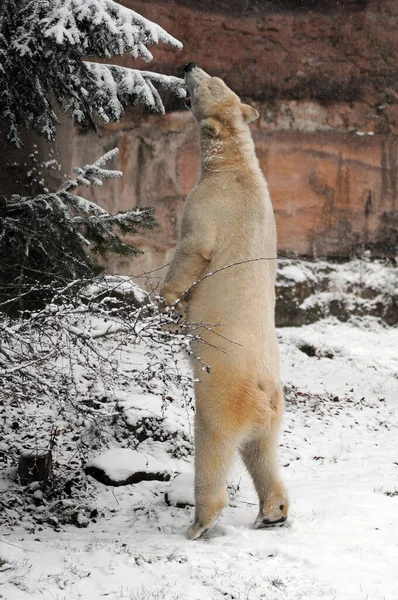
[263, 523]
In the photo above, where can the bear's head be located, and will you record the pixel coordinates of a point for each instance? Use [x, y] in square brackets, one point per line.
[216, 108]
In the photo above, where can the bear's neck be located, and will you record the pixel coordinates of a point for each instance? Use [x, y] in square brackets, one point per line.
[227, 152]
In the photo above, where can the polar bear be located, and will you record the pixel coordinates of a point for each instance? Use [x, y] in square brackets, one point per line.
[228, 229]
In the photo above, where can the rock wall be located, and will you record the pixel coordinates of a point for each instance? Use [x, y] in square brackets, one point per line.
[324, 78]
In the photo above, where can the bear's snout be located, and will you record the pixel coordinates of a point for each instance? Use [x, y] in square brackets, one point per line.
[189, 66]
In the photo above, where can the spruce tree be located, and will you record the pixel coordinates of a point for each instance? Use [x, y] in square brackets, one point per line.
[45, 68]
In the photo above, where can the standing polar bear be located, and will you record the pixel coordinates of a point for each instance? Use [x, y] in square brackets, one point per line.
[228, 220]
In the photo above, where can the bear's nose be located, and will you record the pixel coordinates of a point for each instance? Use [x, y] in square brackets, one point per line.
[189, 66]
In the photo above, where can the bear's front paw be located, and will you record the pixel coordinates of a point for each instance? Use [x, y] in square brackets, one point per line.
[174, 320]
[181, 309]
[169, 302]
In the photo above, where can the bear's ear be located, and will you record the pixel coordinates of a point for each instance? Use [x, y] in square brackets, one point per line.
[249, 113]
[211, 127]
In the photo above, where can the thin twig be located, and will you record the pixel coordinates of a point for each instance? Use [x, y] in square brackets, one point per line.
[29, 364]
[241, 262]
[15, 546]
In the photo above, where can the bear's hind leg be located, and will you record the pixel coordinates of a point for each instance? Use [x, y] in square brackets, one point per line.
[213, 457]
[259, 456]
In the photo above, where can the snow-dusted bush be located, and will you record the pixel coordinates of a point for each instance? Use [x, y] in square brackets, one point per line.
[79, 334]
[43, 44]
[82, 366]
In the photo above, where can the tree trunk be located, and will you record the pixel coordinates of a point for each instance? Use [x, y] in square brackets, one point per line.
[39, 164]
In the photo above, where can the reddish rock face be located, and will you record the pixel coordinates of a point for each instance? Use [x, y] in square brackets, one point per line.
[331, 194]
[324, 78]
[319, 49]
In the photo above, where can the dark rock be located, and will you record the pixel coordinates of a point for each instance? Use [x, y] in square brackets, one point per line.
[308, 349]
[80, 520]
[176, 503]
[181, 491]
[104, 478]
[123, 466]
[35, 466]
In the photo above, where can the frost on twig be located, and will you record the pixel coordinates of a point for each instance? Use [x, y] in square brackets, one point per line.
[82, 314]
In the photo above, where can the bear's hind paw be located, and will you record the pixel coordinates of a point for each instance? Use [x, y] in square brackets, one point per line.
[195, 531]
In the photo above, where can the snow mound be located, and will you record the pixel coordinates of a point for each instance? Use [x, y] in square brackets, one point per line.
[181, 491]
[122, 466]
[121, 285]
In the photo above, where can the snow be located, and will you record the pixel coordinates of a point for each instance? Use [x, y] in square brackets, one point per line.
[117, 283]
[339, 460]
[380, 276]
[293, 272]
[128, 28]
[121, 463]
[357, 287]
[181, 490]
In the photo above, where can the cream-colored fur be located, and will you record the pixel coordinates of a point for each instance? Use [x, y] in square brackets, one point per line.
[227, 219]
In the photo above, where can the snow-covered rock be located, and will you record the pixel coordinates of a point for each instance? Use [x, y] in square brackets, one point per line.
[181, 491]
[121, 466]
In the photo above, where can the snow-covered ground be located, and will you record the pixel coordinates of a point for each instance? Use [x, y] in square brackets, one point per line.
[339, 459]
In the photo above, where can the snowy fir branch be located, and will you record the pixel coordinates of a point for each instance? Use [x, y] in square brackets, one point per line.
[47, 240]
[43, 44]
[113, 87]
[93, 174]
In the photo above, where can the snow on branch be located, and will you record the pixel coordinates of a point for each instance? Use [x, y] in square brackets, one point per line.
[126, 31]
[42, 238]
[114, 87]
[81, 331]
[93, 174]
[43, 47]
[97, 223]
